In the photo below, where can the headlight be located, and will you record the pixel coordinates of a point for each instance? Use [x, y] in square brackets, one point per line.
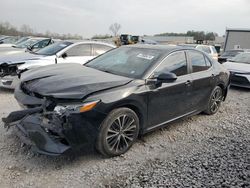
[60, 109]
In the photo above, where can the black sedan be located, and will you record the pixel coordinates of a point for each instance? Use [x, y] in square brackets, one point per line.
[115, 97]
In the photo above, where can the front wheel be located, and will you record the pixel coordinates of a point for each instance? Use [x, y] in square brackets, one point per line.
[215, 100]
[118, 132]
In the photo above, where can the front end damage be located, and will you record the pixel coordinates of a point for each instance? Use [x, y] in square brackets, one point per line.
[9, 75]
[51, 132]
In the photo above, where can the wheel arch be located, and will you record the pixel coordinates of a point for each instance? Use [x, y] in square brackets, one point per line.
[224, 90]
[136, 108]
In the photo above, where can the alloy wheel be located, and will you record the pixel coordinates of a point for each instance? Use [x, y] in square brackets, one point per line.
[121, 133]
[216, 100]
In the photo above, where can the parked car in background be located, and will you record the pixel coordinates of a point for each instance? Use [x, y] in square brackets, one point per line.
[239, 67]
[8, 39]
[57, 53]
[31, 44]
[22, 39]
[227, 55]
[115, 97]
[205, 48]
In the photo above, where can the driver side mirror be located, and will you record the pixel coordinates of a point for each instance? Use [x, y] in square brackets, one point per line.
[64, 55]
[29, 48]
[165, 77]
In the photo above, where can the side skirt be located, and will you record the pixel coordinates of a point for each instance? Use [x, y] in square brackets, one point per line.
[163, 124]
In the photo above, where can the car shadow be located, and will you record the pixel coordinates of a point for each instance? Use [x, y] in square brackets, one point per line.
[235, 88]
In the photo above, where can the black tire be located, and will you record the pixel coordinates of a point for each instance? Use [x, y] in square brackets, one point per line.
[118, 132]
[215, 100]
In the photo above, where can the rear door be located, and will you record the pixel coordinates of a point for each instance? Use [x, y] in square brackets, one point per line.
[80, 53]
[203, 79]
[170, 100]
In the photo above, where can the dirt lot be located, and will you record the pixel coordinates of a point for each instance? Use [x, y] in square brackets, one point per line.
[211, 151]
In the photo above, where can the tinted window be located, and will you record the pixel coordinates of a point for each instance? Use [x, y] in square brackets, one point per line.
[175, 63]
[198, 61]
[99, 49]
[80, 50]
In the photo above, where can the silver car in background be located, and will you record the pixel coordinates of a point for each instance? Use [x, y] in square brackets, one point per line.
[239, 67]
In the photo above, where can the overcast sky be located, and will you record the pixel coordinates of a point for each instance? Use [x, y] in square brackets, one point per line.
[138, 17]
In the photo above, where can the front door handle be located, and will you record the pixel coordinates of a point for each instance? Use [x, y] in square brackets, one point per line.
[188, 82]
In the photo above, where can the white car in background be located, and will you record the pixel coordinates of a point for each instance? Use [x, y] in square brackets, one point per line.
[239, 67]
[205, 48]
[57, 53]
[22, 39]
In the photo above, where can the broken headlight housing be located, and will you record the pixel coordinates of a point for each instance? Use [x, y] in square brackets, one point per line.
[84, 107]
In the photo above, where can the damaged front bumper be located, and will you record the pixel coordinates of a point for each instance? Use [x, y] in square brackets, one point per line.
[31, 127]
[51, 134]
[9, 82]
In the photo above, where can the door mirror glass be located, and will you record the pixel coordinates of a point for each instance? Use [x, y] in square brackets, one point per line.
[64, 55]
[166, 77]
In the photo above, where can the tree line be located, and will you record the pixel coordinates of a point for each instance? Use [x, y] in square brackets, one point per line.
[25, 30]
[198, 35]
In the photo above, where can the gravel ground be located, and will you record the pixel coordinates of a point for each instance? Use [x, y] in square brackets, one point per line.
[200, 151]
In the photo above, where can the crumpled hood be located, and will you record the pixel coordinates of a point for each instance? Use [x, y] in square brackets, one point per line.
[18, 58]
[69, 81]
[237, 67]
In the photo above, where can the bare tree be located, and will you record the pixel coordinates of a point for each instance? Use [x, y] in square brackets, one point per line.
[114, 28]
[26, 29]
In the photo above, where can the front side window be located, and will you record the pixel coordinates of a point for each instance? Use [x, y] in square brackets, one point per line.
[79, 50]
[198, 61]
[99, 49]
[175, 63]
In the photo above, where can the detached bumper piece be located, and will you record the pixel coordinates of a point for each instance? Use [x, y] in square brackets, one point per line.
[32, 131]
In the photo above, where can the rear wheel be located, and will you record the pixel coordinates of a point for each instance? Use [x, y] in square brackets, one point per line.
[214, 101]
[118, 132]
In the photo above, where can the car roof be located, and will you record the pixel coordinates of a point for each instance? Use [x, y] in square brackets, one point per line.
[89, 42]
[166, 48]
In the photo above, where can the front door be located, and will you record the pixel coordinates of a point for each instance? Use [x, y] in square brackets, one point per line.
[170, 100]
[80, 53]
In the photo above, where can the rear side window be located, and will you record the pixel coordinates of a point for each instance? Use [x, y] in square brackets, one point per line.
[99, 49]
[80, 50]
[175, 63]
[198, 61]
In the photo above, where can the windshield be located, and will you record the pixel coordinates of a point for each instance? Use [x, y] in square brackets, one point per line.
[27, 43]
[230, 53]
[127, 61]
[242, 58]
[21, 40]
[53, 49]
